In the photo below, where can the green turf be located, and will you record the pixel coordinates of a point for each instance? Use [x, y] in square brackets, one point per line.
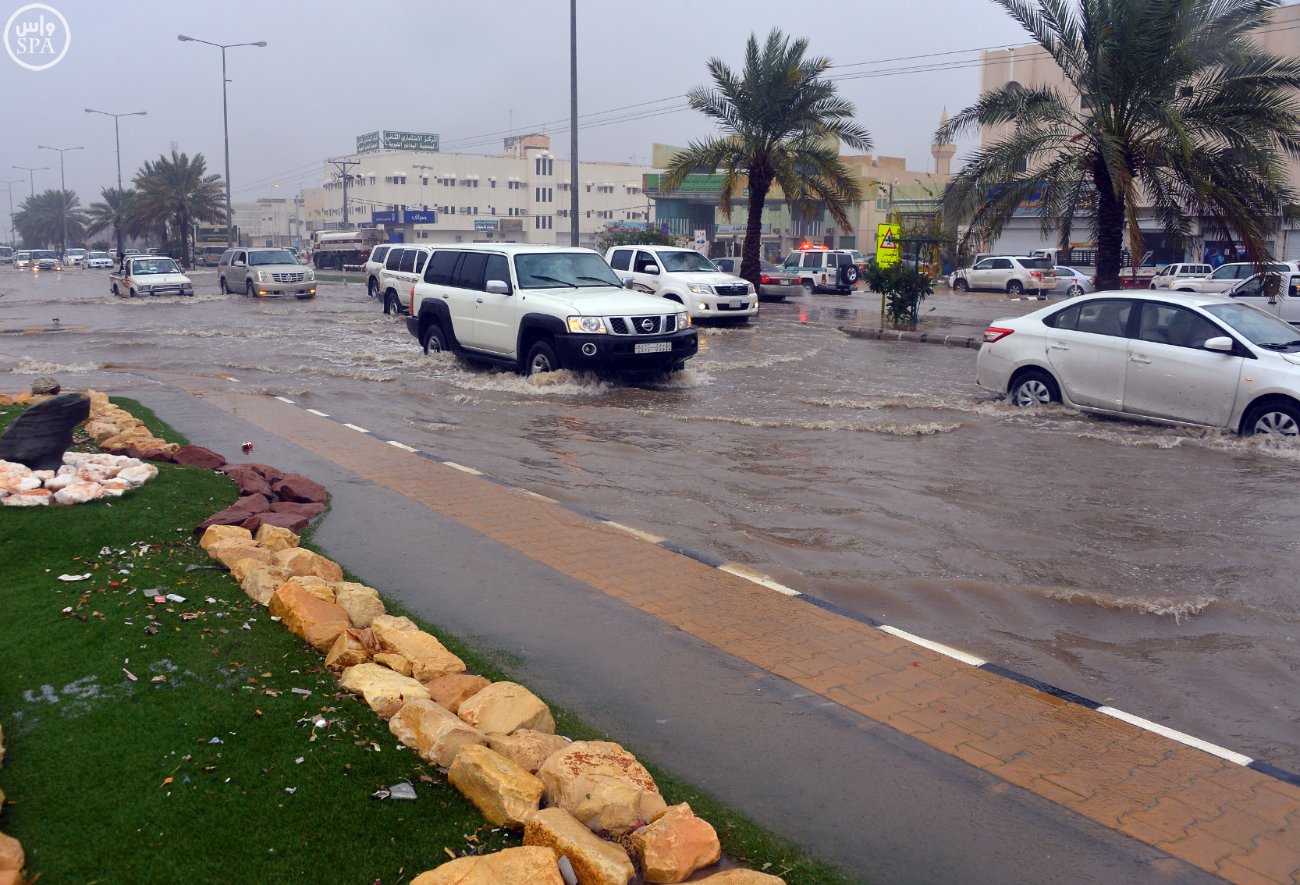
[209, 766]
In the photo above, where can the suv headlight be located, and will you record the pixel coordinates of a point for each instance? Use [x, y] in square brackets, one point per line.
[587, 326]
[683, 320]
[145, 290]
[187, 287]
[311, 275]
[699, 289]
[263, 276]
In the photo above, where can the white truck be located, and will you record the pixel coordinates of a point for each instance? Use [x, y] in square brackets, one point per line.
[686, 277]
[340, 249]
[149, 275]
[1274, 292]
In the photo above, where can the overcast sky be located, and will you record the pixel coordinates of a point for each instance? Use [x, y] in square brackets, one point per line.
[470, 71]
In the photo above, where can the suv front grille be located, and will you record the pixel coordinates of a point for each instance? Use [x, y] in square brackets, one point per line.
[643, 325]
[288, 277]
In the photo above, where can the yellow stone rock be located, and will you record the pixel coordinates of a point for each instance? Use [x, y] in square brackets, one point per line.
[230, 552]
[527, 748]
[434, 732]
[429, 659]
[595, 861]
[305, 562]
[362, 603]
[602, 785]
[11, 853]
[676, 844]
[503, 707]
[318, 587]
[452, 689]
[503, 792]
[393, 661]
[348, 650]
[275, 538]
[383, 690]
[308, 617]
[533, 865]
[742, 877]
[382, 625]
[261, 583]
[215, 534]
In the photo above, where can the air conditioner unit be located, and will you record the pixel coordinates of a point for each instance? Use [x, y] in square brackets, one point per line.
[459, 237]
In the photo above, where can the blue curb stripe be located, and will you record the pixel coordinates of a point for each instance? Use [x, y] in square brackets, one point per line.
[844, 612]
[1273, 771]
[1041, 686]
[707, 558]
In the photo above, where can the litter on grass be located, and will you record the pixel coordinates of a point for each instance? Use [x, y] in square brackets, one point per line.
[71, 578]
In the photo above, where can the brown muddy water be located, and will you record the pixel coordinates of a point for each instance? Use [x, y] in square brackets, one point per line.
[1150, 568]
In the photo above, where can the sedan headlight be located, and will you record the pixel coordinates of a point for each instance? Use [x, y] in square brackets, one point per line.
[587, 326]
[683, 320]
[700, 289]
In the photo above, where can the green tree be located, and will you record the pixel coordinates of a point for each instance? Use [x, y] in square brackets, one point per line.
[173, 194]
[39, 219]
[1177, 108]
[612, 235]
[781, 123]
[114, 210]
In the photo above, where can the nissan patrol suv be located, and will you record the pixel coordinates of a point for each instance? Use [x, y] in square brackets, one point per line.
[542, 308]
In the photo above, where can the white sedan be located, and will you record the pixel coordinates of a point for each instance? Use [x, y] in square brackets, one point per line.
[1171, 357]
[1071, 283]
[97, 260]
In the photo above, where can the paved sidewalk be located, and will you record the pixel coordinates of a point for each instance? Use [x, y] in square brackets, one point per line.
[1213, 814]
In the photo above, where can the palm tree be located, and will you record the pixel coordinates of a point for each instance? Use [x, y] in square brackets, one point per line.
[177, 193]
[1178, 109]
[780, 123]
[40, 218]
[113, 210]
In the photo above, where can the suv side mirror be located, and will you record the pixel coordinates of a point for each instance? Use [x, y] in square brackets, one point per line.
[497, 287]
[236, 263]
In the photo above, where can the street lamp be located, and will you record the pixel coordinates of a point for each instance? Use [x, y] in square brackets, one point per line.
[31, 175]
[9, 186]
[225, 122]
[63, 194]
[117, 140]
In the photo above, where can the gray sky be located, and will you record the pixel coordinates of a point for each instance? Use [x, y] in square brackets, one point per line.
[469, 71]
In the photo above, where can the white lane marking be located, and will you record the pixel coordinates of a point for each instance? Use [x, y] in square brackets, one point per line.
[403, 446]
[284, 399]
[939, 647]
[1164, 731]
[463, 468]
[741, 571]
[636, 533]
[228, 378]
[355, 427]
[317, 412]
[538, 497]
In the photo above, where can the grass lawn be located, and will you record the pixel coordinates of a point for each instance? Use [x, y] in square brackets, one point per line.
[334, 276]
[196, 740]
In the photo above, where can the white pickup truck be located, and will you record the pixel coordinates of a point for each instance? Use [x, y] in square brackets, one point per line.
[686, 277]
[1275, 293]
[149, 275]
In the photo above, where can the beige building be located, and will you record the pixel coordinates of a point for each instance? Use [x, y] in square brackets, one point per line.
[1030, 66]
[520, 195]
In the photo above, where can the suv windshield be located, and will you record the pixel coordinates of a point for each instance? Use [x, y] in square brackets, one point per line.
[547, 270]
[675, 262]
[1255, 325]
[154, 265]
[272, 256]
[98, 255]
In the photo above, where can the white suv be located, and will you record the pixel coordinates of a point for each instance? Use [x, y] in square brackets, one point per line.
[541, 308]
[1228, 275]
[834, 269]
[374, 264]
[1007, 273]
[403, 267]
[686, 277]
[1169, 276]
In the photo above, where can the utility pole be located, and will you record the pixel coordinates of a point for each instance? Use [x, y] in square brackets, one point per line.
[343, 166]
[9, 186]
[63, 195]
[573, 123]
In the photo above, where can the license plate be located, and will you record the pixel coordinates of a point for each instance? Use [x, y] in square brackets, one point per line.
[736, 305]
[785, 282]
[654, 347]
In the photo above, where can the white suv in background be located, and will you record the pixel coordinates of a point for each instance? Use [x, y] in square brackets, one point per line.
[403, 267]
[1228, 275]
[686, 277]
[1014, 275]
[374, 264]
[1169, 276]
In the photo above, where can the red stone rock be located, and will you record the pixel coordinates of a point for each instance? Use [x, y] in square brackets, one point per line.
[296, 487]
[253, 503]
[197, 456]
[249, 481]
[269, 473]
[308, 510]
[145, 453]
[291, 521]
[234, 515]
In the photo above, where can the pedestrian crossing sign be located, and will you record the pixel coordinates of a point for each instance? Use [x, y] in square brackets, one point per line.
[887, 236]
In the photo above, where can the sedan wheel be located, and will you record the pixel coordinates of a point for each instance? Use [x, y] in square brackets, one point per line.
[1279, 419]
[1034, 388]
[1074, 291]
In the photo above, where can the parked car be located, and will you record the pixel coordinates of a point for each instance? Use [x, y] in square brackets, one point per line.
[46, 259]
[1071, 282]
[22, 259]
[1228, 275]
[1164, 356]
[541, 308]
[97, 260]
[1007, 273]
[74, 257]
[773, 282]
[374, 264]
[686, 277]
[149, 275]
[824, 269]
[264, 273]
[1272, 292]
[403, 267]
[1171, 274]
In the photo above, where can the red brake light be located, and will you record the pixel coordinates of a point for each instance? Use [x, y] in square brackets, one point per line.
[996, 333]
[765, 279]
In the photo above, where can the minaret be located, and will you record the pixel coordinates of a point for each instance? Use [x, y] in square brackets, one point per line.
[943, 153]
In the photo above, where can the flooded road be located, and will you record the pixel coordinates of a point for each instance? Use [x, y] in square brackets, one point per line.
[1149, 568]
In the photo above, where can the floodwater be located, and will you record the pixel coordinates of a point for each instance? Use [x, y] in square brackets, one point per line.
[1150, 568]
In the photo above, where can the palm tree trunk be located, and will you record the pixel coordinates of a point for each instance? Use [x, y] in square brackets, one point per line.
[751, 253]
[1110, 231]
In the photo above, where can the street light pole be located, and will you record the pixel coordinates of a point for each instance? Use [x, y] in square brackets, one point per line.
[31, 176]
[117, 140]
[9, 186]
[63, 195]
[225, 122]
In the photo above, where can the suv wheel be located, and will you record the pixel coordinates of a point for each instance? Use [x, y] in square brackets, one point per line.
[809, 288]
[222, 285]
[1015, 287]
[960, 285]
[434, 340]
[248, 289]
[541, 358]
[373, 289]
[390, 303]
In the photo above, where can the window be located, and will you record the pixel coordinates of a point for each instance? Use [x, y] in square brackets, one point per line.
[440, 267]
[544, 166]
[622, 259]
[1106, 317]
[394, 261]
[408, 261]
[1170, 324]
[1000, 264]
[542, 222]
[644, 261]
[497, 269]
[469, 273]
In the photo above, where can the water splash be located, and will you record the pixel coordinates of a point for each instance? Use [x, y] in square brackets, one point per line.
[1163, 606]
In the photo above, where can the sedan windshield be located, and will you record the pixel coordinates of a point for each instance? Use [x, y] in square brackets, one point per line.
[1256, 326]
[98, 255]
[577, 270]
[276, 256]
[45, 253]
[675, 262]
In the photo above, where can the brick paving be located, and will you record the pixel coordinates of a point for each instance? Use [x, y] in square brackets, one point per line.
[1224, 818]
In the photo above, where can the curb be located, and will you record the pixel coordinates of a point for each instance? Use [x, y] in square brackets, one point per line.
[968, 341]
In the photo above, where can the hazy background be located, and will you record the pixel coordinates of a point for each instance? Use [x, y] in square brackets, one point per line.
[471, 71]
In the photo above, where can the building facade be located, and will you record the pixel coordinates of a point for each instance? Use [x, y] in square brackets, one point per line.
[521, 195]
